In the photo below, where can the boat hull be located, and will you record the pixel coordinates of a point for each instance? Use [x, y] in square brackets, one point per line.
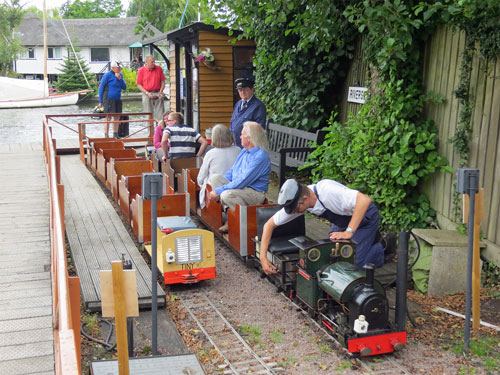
[49, 101]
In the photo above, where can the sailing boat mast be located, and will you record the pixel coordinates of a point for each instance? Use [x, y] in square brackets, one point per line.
[45, 79]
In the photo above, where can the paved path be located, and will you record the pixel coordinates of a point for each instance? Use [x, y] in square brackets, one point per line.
[26, 338]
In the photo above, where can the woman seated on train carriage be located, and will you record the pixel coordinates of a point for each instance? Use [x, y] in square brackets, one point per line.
[159, 134]
[219, 159]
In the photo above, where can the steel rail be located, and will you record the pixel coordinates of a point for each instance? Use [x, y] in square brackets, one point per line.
[266, 369]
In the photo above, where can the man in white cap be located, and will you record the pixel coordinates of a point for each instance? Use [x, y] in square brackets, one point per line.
[352, 214]
[110, 94]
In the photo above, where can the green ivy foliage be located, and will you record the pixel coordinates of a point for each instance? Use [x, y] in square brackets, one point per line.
[387, 148]
[130, 78]
[303, 48]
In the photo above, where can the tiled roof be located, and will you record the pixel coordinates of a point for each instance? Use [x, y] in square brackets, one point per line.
[83, 32]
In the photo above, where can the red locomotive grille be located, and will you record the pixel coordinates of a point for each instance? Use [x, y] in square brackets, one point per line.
[377, 344]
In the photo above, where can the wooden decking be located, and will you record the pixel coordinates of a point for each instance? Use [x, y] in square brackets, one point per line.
[97, 236]
[26, 336]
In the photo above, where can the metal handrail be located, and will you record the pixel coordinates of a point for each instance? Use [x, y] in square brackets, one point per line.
[67, 347]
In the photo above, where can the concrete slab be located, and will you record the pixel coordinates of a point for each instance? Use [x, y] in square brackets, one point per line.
[161, 365]
[448, 270]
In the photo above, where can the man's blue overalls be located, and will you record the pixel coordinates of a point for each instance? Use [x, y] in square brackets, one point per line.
[366, 250]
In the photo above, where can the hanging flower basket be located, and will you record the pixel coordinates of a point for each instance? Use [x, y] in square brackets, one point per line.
[207, 58]
[210, 64]
[205, 55]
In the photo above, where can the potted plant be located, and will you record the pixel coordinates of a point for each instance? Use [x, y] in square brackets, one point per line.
[207, 58]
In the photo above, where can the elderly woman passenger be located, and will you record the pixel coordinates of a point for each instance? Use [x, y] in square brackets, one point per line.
[219, 159]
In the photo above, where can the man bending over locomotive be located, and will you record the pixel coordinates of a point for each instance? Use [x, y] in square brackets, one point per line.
[352, 214]
[247, 181]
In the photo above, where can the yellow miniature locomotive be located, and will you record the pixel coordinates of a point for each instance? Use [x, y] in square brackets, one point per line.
[185, 254]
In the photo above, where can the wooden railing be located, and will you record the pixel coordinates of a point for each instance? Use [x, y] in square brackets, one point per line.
[65, 289]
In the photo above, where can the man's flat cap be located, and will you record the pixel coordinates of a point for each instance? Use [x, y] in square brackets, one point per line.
[289, 195]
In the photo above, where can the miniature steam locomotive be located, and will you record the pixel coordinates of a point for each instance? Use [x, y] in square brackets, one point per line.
[322, 278]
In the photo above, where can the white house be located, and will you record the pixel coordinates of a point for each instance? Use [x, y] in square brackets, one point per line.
[100, 41]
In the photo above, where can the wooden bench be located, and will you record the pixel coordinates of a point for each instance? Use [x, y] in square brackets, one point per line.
[86, 147]
[98, 146]
[169, 205]
[128, 187]
[242, 225]
[190, 178]
[242, 228]
[173, 169]
[105, 155]
[127, 168]
[110, 166]
[289, 147]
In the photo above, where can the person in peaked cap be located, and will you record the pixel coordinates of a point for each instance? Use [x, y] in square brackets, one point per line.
[352, 214]
[248, 108]
[110, 95]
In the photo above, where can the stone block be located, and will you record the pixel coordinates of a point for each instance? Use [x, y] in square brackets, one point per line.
[448, 270]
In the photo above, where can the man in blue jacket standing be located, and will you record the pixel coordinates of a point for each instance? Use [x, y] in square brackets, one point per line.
[249, 108]
[110, 94]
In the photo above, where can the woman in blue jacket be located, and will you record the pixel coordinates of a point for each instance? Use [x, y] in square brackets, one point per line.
[110, 93]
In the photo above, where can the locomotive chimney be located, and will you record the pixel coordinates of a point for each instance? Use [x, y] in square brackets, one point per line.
[370, 272]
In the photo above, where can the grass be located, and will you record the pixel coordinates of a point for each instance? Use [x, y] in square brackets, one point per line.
[276, 336]
[324, 348]
[253, 333]
[344, 365]
[91, 323]
[486, 348]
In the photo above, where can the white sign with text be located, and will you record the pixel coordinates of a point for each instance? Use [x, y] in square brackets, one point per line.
[357, 94]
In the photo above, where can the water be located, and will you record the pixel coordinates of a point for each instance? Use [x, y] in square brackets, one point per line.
[24, 125]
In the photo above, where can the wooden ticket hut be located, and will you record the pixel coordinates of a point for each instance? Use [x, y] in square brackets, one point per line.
[205, 93]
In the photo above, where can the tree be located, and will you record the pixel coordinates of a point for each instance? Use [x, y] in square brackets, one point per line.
[11, 15]
[92, 9]
[72, 78]
[166, 15]
[302, 56]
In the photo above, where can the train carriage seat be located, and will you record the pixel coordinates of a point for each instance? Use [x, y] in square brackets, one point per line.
[280, 243]
[174, 223]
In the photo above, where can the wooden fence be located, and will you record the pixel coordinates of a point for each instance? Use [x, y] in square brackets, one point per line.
[441, 71]
[441, 74]
[65, 289]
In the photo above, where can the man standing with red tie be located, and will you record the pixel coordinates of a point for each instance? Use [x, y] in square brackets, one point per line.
[249, 108]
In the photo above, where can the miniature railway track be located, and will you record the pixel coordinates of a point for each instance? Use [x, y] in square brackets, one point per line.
[387, 367]
[239, 357]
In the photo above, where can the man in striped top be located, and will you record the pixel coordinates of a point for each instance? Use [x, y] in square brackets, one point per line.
[182, 139]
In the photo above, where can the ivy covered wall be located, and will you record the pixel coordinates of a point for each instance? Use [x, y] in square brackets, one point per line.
[389, 149]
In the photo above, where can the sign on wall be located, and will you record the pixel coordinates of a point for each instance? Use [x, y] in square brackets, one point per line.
[357, 94]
